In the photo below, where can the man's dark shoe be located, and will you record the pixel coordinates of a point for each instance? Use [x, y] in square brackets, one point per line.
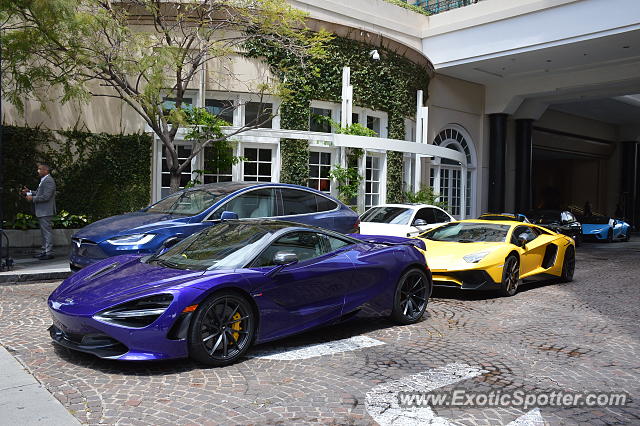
[45, 256]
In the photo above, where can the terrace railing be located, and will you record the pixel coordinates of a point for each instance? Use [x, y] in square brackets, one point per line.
[437, 6]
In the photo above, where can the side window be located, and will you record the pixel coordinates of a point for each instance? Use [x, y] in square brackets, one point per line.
[336, 243]
[425, 214]
[253, 204]
[298, 202]
[325, 204]
[441, 216]
[306, 245]
[530, 233]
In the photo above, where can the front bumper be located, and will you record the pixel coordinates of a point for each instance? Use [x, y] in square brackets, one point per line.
[465, 280]
[157, 341]
[85, 252]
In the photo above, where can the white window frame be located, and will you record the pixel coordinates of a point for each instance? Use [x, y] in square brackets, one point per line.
[382, 179]
[335, 154]
[274, 152]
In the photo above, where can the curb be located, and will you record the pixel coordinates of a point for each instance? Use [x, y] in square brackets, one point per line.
[25, 278]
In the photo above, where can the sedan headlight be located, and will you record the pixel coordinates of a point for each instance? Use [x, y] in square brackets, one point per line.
[475, 257]
[131, 240]
[137, 313]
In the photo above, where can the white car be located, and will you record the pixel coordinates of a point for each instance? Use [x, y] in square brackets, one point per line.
[402, 220]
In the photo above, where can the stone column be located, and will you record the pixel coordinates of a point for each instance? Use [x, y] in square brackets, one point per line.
[497, 144]
[523, 164]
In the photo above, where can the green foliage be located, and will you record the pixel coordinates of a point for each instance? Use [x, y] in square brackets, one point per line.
[354, 129]
[97, 175]
[63, 220]
[424, 196]
[404, 4]
[389, 84]
[294, 161]
[348, 180]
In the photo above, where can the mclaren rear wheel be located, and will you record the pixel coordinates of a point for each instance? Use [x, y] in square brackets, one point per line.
[510, 276]
[568, 265]
[222, 329]
[412, 294]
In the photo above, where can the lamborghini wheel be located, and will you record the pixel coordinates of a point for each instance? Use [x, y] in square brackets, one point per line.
[610, 236]
[412, 294]
[222, 329]
[510, 276]
[568, 265]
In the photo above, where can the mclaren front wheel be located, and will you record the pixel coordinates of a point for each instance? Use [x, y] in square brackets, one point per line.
[222, 329]
[510, 276]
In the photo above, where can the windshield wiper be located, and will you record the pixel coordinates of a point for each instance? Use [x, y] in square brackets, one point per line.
[168, 264]
[466, 241]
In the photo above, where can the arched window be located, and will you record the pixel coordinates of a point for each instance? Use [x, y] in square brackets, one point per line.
[446, 175]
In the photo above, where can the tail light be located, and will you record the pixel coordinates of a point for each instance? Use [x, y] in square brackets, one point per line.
[356, 227]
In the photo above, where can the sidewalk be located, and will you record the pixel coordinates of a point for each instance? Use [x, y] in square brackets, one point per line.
[26, 268]
[24, 401]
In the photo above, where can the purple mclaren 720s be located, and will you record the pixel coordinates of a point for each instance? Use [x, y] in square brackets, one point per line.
[213, 294]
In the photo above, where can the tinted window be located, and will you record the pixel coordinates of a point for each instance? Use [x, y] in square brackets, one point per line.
[226, 246]
[325, 204]
[426, 214]
[253, 204]
[258, 114]
[524, 231]
[306, 245]
[468, 232]
[336, 243]
[298, 202]
[186, 203]
[441, 216]
[395, 215]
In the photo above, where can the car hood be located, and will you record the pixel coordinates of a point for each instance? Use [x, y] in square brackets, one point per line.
[116, 280]
[445, 255]
[130, 223]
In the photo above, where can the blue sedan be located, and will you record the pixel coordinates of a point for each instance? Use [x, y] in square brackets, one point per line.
[185, 212]
[604, 228]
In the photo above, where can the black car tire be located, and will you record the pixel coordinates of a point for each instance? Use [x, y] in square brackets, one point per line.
[568, 265]
[610, 236]
[222, 329]
[578, 240]
[411, 297]
[628, 236]
[510, 276]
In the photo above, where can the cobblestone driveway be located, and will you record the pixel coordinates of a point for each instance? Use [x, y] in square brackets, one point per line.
[581, 336]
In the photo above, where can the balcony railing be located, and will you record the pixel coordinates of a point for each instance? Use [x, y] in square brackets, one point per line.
[437, 6]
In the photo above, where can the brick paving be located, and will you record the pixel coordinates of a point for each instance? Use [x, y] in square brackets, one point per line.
[582, 336]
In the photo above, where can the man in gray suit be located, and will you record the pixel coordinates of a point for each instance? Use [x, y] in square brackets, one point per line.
[44, 200]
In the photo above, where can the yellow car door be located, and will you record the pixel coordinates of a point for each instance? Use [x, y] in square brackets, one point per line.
[533, 244]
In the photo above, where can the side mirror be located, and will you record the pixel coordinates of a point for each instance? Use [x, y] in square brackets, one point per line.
[170, 242]
[226, 215]
[419, 222]
[282, 259]
[285, 258]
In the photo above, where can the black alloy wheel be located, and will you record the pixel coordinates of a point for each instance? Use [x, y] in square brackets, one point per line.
[568, 265]
[628, 236]
[610, 236]
[411, 298]
[510, 276]
[222, 329]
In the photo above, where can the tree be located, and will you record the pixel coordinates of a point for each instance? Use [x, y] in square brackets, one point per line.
[141, 52]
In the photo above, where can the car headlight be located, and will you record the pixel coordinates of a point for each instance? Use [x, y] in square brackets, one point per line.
[137, 313]
[131, 240]
[475, 257]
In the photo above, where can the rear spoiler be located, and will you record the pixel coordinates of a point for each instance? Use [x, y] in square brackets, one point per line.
[388, 240]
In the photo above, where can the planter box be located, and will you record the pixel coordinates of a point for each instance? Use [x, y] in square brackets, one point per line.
[31, 238]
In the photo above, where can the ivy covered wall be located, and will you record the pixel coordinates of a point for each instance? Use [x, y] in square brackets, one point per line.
[389, 84]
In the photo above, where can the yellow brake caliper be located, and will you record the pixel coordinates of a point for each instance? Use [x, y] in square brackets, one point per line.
[236, 325]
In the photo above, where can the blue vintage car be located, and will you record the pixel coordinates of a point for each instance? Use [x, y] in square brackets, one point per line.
[185, 212]
[604, 228]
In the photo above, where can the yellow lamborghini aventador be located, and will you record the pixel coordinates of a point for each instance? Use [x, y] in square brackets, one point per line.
[496, 255]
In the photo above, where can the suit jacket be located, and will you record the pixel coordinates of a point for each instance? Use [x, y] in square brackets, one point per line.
[45, 199]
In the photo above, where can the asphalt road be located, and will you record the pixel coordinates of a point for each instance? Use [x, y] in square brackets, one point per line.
[579, 337]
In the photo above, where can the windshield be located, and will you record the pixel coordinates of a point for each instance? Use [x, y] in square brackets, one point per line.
[187, 203]
[224, 246]
[595, 220]
[395, 215]
[544, 216]
[468, 232]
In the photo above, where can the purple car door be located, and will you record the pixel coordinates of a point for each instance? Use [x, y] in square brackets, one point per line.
[310, 292]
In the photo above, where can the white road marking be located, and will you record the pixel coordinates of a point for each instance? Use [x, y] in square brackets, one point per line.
[282, 353]
[382, 401]
[532, 418]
